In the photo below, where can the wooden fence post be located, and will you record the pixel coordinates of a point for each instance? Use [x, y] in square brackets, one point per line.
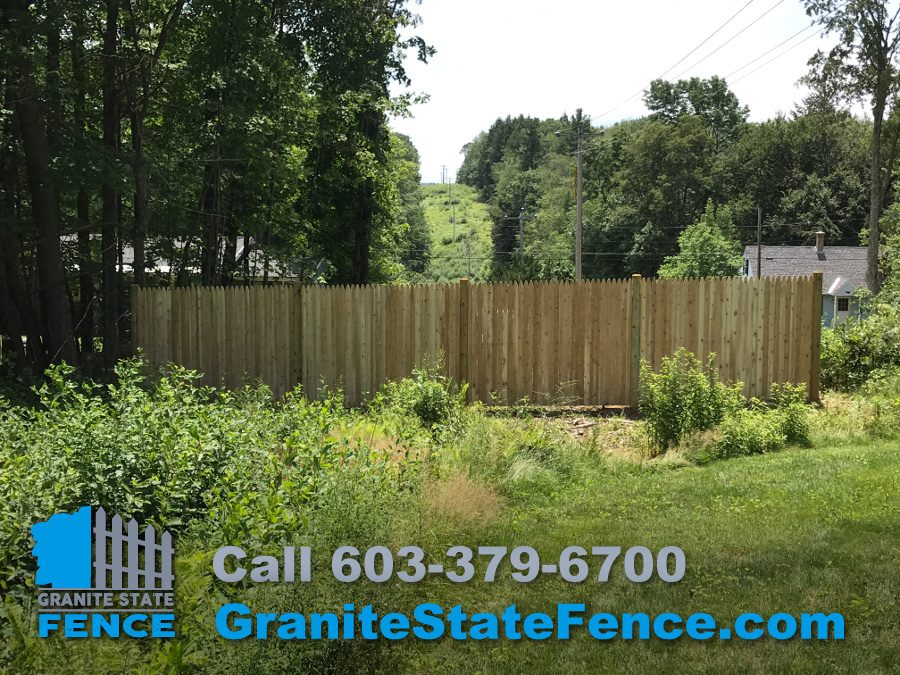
[463, 375]
[635, 340]
[814, 375]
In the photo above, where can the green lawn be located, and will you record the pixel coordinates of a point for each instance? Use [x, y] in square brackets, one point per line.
[460, 232]
[796, 531]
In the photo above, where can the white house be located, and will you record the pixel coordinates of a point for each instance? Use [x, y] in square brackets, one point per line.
[843, 271]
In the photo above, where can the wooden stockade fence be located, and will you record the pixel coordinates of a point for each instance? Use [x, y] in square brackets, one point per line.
[578, 342]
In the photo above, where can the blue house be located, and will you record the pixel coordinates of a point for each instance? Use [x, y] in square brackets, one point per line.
[843, 271]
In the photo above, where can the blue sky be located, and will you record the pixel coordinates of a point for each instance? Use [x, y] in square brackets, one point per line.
[501, 57]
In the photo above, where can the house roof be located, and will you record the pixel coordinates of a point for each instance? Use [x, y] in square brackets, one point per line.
[256, 257]
[843, 267]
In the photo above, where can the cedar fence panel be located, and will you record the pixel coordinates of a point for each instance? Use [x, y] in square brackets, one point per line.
[545, 342]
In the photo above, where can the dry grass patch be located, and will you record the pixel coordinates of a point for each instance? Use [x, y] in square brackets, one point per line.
[617, 436]
[379, 440]
[464, 500]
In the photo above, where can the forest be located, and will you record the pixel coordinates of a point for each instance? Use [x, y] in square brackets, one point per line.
[175, 142]
[647, 180]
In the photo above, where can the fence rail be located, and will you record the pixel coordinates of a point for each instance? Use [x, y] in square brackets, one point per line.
[582, 342]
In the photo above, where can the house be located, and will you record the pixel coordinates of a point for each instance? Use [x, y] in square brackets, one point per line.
[249, 258]
[843, 272]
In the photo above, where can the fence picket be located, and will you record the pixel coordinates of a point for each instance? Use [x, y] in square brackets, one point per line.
[534, 340]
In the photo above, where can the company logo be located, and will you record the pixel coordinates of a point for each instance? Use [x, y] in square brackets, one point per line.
[100, 578]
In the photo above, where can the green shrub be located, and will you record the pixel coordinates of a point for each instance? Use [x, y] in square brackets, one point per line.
[176, 454]
[789, 406]
[858, 348]
[683, 397]
[432, 398]
[749, 432]
[766, 426]
[880, 400]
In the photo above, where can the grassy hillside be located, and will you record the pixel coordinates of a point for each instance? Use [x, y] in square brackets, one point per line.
[460, 232]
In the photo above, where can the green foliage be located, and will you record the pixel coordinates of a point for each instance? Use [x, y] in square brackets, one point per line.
[412, 240]
[711, 100]
[746, 432]
[880, 400]
[788, 404]
[431, 397]
[646, 180]
[890, 261]
[211, 125]
[856, 349]
[707, 248]
[685, 396]
[460, 233]
[764, 427]
[175, 454]
[299, 473]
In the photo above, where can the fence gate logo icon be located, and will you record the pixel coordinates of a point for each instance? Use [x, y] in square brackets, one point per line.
[98, 578]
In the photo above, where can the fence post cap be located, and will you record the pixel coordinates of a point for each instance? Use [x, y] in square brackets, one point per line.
[635, 276]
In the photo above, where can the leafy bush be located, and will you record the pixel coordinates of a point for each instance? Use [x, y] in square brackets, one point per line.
[432, 398]
[175, 454]
[789, 406]
[858, 348]
[683, 397]
[880, 399]
[764, 427]
[747, 432]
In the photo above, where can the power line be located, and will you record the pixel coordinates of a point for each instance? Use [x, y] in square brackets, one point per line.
[769, 51]
[683, 58]
[776, 57]
[731, 39]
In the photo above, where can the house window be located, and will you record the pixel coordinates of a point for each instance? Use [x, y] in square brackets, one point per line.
[843, 304]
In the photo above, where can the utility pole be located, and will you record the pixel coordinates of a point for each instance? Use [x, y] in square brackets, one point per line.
[522, 231]
[580, 134]
[578, 207]
[452, 209]
[758, 242]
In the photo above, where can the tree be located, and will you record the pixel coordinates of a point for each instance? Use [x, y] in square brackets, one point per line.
[179, 130]
[711, 100]
[30, 116]
[707, 248]
[414, 240]
[347, 174]
[863, 67]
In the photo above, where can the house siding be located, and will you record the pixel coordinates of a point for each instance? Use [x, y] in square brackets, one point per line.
[828, 305]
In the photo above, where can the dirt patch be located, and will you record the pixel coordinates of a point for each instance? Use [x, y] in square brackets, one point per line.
[463, 499]
[613, 435]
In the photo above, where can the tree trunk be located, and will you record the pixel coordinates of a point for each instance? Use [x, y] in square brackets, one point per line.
[85, 320]
[229, 258]
[209, 207]
[109, 196]
[85, 328]
[45, 209]
[18, 316]
[873, 276]
[31, 119]
[141, 196]
[11, 324]
[362, 235]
